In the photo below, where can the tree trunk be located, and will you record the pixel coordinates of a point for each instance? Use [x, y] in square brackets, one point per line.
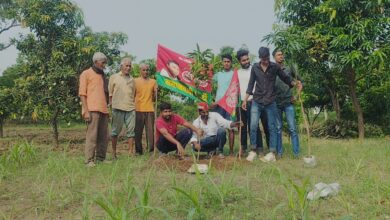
[335, 103]
[1, 128]
[355, 102]
[54, 127]
[325, 114]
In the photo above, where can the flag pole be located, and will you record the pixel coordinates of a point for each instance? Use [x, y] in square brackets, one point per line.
[154, 124]
[239, 134]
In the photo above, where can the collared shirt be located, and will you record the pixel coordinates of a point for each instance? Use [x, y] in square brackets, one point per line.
[121, 88]
[144, 89]
[170, 125]
[265, 92]
[214, 122]
[92, 87]
[223, 80]
[283, 91]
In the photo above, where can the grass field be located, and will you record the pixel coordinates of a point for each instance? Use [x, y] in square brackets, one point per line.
[37, 182]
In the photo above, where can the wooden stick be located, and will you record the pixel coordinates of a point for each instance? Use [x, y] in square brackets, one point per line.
[239, 134]
[154, 125]
[306, 124]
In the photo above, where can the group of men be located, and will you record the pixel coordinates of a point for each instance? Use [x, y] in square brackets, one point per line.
[265, 93]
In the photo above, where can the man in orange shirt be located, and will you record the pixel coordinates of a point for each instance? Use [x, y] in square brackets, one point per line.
[93, 92]
[145, 90]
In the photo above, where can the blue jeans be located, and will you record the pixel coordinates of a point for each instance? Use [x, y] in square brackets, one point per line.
[271, 111]
[290, 117]
[245, 117]
[214, 143]
[182, 136]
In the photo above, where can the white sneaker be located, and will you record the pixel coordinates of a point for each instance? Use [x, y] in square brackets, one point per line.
[270, 157]
[251, 156]
[221, 156]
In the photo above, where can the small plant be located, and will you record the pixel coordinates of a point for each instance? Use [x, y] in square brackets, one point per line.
[297, 196]
[18, 155]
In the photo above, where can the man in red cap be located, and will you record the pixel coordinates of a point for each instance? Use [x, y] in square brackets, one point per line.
[214, 131]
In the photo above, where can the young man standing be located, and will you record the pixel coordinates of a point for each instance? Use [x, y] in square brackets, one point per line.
[214, 127]
[285, 103]
[264, 75]
[167, 136]
[223, 80]
[122, 91]
[145, 90]
[243, 76]
[92, 92]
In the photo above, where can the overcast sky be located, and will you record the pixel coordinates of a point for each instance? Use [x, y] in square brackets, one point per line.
[177, 24]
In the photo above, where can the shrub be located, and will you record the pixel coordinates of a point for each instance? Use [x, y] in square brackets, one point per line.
[345, 129]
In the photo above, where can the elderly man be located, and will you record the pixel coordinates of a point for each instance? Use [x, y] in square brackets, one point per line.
[167, 135]
[122, 92]
[145, 90]
[93, 95]
[264, 75]
[214, 127]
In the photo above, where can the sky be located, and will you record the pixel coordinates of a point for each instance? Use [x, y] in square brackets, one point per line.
[176, 24]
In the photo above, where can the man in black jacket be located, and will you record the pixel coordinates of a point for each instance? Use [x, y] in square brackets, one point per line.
[264, 75]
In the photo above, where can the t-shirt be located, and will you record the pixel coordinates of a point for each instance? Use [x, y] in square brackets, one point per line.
[92, 87]
[223, 80]
[171, 125]
[144, 94]
[243, 77]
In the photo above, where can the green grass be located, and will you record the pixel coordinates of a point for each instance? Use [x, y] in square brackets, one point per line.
[37, 183]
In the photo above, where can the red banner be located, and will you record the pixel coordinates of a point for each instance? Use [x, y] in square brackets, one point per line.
[230, 100]
[176, 66]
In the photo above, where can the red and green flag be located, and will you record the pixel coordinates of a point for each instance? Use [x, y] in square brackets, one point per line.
[174, 74]
[230, 100]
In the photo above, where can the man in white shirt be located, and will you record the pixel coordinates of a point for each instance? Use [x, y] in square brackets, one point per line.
[244, 115]
[214, 130]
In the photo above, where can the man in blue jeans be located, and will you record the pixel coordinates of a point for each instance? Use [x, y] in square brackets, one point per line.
[284, 102]
[264, 75]
[214, 128]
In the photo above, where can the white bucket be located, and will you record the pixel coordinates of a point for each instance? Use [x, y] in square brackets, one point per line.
[202, 168]
[309, 161]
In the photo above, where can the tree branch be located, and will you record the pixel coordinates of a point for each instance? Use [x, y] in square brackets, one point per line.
[13, 24]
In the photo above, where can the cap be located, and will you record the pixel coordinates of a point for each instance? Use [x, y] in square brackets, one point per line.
[203, 106]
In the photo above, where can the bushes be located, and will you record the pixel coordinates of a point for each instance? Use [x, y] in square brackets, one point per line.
[345, 129]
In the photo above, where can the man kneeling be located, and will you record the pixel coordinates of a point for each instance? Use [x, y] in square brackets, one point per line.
[214, 127]
[168, 139]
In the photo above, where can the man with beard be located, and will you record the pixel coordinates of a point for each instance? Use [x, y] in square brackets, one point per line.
[122, 91]
[167, 137]
[285, 103]
[264, 75]
[214, 127]
[223, 80]
[145, 90]
[93, 91]
[244, 115]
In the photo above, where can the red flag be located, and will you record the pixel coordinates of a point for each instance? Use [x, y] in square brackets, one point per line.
[230, 100]
[174, 65]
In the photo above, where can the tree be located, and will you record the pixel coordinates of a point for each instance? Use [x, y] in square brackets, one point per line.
[352, 37]
[8, 19]
[56, 52]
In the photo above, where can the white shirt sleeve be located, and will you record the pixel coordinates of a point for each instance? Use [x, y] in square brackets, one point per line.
[194, 136]
[221, 121]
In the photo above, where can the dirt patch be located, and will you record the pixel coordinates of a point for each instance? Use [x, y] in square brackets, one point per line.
[172, 162]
